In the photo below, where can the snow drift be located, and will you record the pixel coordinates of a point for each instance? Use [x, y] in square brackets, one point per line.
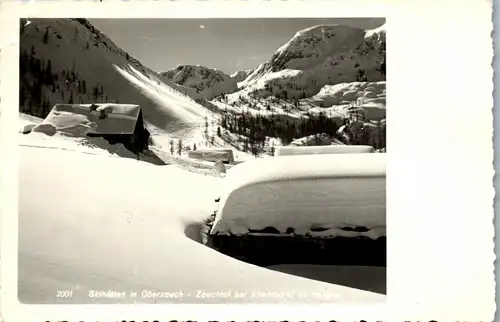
[316, 195]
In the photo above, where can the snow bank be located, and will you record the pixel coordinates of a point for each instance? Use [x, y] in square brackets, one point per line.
[324, 149]
[72, 242]
[316, 195]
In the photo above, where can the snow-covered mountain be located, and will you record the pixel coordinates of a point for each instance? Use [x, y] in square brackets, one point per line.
[326, 71]
[206, 82]
[319, 73]
[241, 75]
[68, 60]
[318, 56]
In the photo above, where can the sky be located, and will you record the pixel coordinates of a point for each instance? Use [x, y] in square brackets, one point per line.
[229, 45]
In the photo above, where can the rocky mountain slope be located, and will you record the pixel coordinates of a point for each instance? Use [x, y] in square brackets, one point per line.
[206, 82]
[326, 71]
[241, 75]
[318, 56]
[70, 61]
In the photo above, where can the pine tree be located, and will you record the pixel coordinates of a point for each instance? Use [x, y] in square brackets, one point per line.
[179, 147]
[172, 148]
[219, 131]
[206, 127]
[194, 147]
[70, 100]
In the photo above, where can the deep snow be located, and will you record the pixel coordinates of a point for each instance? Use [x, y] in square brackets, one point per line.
[95, 222]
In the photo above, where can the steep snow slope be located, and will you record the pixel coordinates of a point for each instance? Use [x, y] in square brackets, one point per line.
[318, 56]
[86, 66]
[71, 242]
[206, 82]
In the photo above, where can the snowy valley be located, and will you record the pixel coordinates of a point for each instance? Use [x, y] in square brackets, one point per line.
[327, 80]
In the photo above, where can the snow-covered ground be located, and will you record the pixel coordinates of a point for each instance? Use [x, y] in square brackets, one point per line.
[91, 222]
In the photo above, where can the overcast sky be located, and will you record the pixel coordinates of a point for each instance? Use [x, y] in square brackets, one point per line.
[226, 44]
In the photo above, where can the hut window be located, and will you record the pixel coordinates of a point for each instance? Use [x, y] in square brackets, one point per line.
[102, 114]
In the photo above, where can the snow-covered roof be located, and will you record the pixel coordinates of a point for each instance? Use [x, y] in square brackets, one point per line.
[303, 192]
[120, 118]
[305, 167]
[324, 149]
[212, 154]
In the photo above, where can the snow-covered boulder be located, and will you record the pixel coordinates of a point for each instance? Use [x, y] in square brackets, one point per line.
[219, 167]
[27, 128]
[315, 195]
[45, 128]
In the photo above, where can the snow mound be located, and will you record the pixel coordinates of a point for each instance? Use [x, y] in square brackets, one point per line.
[207, 82]
[313, 195]
[70, 123]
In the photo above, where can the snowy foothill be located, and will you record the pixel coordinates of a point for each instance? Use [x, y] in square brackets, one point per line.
[97, 206]
[306, 193]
